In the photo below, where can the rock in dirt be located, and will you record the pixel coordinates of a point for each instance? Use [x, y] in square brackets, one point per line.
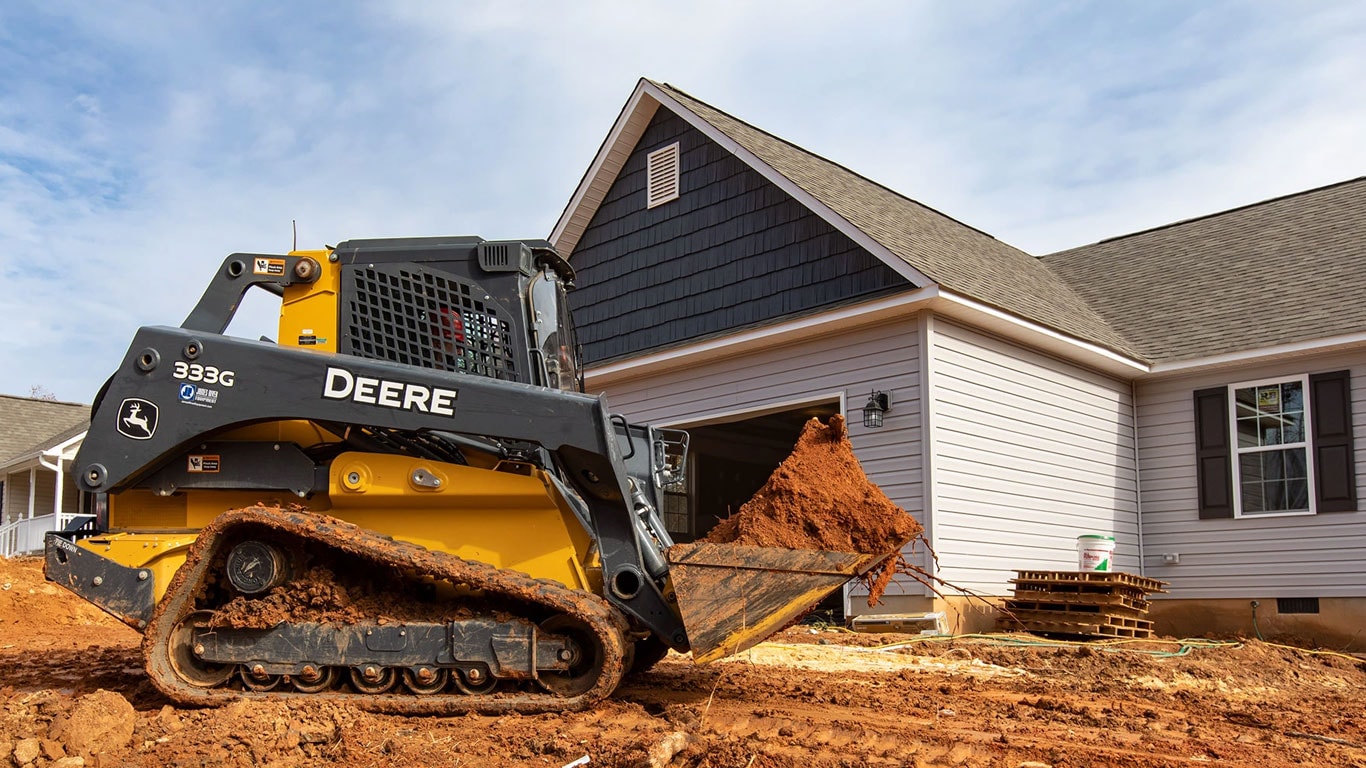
[820, 498]
[98, 722]
[662, 753]
[26, 751]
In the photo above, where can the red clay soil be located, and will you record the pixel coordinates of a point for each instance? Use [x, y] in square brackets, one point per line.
[820, 498]
[72, 686]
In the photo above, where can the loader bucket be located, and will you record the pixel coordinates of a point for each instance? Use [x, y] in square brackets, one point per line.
[732, 597]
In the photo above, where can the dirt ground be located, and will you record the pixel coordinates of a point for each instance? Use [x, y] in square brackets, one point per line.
[72, 692]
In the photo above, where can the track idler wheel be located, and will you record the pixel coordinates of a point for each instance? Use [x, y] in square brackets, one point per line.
[182, 654]
[585, 658]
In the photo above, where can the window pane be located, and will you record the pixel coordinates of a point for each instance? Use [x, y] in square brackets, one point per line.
[1274, 481]
[1297, 494]
[1292, 396]
[1273, 495]
[1293, 429]
[1295, 464]
[1272, 478]
[1252, 497]
[1270, 429]
[1273, 465]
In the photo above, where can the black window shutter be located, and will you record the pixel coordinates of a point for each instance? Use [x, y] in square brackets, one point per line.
[1330, 405]
[1213, 454]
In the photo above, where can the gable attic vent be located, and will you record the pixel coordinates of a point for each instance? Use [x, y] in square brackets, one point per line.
[662, 171]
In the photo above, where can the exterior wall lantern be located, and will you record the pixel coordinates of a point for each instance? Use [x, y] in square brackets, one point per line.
[878, 404]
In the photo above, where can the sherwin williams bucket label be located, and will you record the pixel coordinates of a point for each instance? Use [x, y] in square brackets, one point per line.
[1094, 552]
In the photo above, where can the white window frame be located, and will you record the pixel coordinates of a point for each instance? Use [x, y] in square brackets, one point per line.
[1237, 452]
[660, 190]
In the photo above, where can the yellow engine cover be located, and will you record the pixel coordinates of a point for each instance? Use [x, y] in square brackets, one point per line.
[508, 516]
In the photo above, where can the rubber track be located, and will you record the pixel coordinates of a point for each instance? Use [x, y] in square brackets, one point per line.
[350, 539]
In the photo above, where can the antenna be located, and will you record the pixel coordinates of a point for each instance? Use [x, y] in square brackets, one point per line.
[294, 224]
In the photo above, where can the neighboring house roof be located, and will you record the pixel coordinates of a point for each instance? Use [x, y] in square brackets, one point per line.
[1286, 270]
[28, 425]
[922, 243]
[31, 453]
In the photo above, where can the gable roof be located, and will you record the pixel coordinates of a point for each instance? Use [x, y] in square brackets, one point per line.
[919, 242]
[1286, 270]
[28, 424]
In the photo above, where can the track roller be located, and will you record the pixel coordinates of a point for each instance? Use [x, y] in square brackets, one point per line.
[373, 679]
[425, 681]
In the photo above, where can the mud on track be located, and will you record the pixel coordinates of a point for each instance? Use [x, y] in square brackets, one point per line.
[821, 700]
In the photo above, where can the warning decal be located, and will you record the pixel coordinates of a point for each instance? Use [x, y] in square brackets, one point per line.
[204, 463]
[265, 266]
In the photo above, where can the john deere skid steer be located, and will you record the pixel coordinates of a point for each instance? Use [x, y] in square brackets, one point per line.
[406, 501]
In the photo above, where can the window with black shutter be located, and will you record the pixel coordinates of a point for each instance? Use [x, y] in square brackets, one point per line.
[1275, 447]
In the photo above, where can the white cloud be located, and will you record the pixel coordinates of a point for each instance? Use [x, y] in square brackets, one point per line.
[138, 146]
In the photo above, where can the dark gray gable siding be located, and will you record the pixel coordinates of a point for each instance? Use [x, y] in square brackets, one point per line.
[732, 251]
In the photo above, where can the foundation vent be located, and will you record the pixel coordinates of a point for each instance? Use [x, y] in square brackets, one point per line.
[1297, 605]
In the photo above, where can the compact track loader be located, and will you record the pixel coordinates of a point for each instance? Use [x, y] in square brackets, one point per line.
[406, 501]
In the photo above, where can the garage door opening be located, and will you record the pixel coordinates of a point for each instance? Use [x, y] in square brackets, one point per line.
[729, 460]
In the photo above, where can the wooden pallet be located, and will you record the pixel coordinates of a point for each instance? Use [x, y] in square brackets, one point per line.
[1117, 600]
[1102, 578]
[1080, 603]
[1073, 628]
[1072, 617]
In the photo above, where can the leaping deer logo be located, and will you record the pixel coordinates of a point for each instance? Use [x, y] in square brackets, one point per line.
[137, 419]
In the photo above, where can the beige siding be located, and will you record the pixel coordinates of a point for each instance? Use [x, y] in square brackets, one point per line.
[45, 492]
[848, 364]
[1301, 556]
[1028, 453]
[16, 496]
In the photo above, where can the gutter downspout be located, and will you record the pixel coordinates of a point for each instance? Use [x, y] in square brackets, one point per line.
[1138, 483]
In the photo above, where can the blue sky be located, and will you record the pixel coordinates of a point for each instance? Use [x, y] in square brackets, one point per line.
[141, 144]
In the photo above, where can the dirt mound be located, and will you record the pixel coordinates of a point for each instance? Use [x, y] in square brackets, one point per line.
[962, 702]
[820, 498]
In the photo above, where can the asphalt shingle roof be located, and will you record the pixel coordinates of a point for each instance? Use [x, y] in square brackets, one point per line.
[959, 258]
[26, 423]
[1280, 271]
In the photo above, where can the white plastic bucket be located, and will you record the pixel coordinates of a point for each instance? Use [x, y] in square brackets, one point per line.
[1094, 552]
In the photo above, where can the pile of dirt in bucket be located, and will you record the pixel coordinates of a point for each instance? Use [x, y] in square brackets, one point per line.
[820, 498]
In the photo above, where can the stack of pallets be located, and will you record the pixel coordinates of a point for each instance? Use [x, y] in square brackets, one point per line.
[1080, 603]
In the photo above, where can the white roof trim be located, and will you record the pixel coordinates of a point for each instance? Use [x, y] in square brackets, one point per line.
[1042, 336]
[933, 298]
[650, 96]
[63, 450]
[1250, 356]
[628, 127]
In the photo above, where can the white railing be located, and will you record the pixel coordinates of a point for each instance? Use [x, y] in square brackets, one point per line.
[25, 537]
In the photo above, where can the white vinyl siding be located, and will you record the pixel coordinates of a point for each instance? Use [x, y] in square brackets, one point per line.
[884, 357]
[1028, 454]
[1321, 555]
